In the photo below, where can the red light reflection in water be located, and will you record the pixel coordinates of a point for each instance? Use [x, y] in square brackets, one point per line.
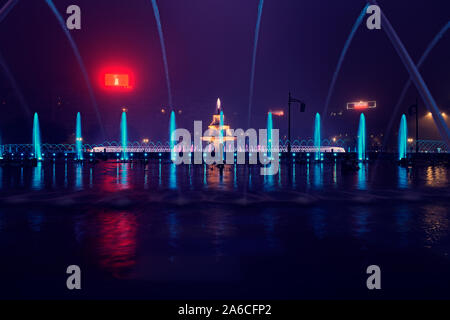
[116, 177]
[117, 242]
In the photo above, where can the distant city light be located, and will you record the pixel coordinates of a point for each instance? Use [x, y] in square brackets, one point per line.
[361, 105]
[145, 140]
[410, 140]
[278, 113]
[430, 115]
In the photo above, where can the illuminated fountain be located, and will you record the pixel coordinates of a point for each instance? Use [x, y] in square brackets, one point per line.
[317, 138]
[362, 138]
[124, 136]
[269, 134]
[172, 128]
[78, 139]
[403, 139]
[36, 138]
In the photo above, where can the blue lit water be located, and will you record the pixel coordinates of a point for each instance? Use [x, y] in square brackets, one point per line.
[162, 231]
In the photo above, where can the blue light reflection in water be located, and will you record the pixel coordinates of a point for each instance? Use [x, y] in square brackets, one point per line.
[173, 176]
[318, 176]
[79, 177]
[317, 218]
[37, 179]
[172, 222]
[361, 218]
[403, 222]
[403, 180]
[362, 177]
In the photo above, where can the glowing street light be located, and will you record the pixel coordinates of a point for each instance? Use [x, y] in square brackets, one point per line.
[278, 113]
[302, 109]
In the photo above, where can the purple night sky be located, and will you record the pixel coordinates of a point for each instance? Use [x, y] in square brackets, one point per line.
[209, 45]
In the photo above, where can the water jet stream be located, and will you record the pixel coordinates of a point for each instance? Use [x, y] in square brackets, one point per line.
[430, 47]
[362, 138]
[255, 49]
[4, 11]
[269, 134]
[403, 139]
[317, 137]
[420, 84]
[14, 84]
[79, 139]
[124, 136]
[80, 62]
[163, 49]
[342, 57]
[172, 128]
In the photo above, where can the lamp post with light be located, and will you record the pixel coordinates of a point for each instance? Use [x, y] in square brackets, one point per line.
[414, 110]
[302, 109]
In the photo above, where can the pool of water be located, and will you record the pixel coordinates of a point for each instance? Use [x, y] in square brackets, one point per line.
[160, 231]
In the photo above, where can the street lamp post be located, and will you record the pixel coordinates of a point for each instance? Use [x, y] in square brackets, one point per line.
[414, 109]
[302, 109]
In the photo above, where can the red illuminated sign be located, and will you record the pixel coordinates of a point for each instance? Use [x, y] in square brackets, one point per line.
[117, 81]
[361, 105]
